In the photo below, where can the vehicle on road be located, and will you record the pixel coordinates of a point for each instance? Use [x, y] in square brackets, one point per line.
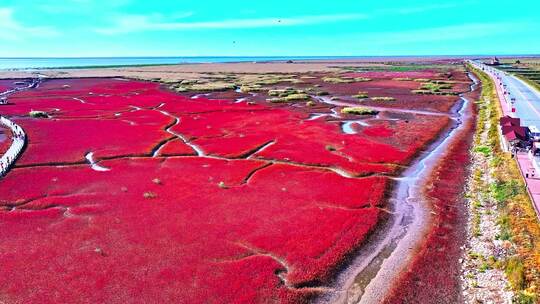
[534, 133]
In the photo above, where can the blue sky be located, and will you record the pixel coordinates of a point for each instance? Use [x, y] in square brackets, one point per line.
[266, 28]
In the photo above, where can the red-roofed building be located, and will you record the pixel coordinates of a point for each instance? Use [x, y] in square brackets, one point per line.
[514, 135]
[509, 121]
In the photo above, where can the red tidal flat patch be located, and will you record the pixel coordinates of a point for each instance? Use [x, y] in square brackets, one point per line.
[378, 131]
[412, 132]
[59, 141]
[191, 200]
[391, 74]
[6, 84]
[85, 222]
[292, 139]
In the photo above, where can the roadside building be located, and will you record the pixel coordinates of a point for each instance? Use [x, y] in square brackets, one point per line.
[514, 136]
[517, 136]
[509, 121]
[494, 62]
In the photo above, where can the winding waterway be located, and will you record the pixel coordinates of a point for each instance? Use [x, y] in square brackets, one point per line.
[372, 272]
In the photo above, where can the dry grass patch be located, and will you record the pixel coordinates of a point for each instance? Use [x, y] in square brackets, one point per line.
[359, 111]
[383, 98]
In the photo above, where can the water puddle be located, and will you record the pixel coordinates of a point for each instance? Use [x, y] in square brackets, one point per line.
[347, 126]
[197, 96]
[334, 114]
[96, 167]
[264, 147]
[240, 100]
[196, 148]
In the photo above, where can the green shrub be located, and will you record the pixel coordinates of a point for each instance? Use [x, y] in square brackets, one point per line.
[504, 190]
[361, 95]
[289, 98]
[212, 86]
[434, 87]
[337, 80]
[284, 92]
[359, 111]
[525, 297]
[515, 273]
[504, 223]
[189, 81]
[383, 99]
[38, 114]
[250, 88]
[484, 150]
[484, 267]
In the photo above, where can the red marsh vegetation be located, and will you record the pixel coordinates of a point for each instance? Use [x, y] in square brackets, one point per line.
[132, 193]
[433, 276]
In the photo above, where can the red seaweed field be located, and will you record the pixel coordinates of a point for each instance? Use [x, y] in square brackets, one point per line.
[131, 193]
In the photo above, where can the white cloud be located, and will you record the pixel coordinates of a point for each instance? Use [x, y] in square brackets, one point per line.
[76, 6]
[408, 10]
[11, 29]
[445, 33]
[427, 8]
[138, 23]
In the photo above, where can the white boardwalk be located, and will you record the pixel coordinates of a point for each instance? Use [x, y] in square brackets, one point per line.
[19, 139]
[18, 136]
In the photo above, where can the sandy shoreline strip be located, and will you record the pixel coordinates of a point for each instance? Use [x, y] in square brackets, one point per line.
[186, 71]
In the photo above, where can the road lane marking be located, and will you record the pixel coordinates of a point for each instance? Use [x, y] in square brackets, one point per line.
[523, 95]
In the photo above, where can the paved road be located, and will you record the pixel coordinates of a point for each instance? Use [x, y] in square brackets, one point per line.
[527, 104]
[527, 99]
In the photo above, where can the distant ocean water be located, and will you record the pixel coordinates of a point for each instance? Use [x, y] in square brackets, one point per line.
[44, 63]
[72, 62]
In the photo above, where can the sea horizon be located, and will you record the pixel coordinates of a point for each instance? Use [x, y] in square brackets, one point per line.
[30, 63]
